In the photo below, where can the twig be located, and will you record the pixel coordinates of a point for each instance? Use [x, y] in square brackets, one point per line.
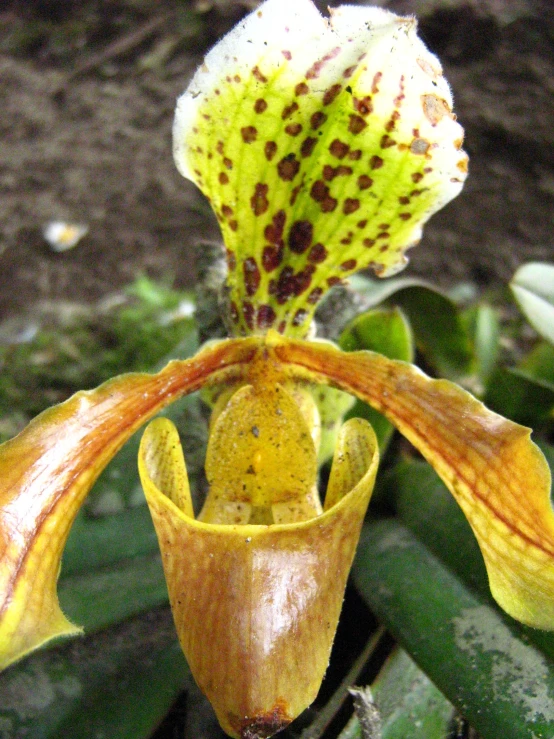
[328, 712]
[366, 713]
[120, 46]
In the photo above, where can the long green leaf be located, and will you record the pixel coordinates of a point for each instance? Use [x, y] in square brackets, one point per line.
[476, 656]
[118, 684]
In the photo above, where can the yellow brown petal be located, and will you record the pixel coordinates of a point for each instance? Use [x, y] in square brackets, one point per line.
[498, 476]
[46, 472]
[256, 606]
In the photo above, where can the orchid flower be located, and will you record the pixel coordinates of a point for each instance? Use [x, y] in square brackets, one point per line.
[323, 146]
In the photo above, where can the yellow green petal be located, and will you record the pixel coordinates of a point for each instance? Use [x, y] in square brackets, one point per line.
[46, 472]
[323, 146]
[496, 473]
[256, 606]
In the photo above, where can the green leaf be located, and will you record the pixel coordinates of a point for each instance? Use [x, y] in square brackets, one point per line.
[409, 704]
[477, 657]
[386, 331]
[117, 684]
[519, 396]
[106, 597]
[438, 329]
[484, 328]
[533, 289]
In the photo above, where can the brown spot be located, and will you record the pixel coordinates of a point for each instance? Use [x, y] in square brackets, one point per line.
[329, 204]
[390, 125]
[417, 177]
[294, 194]
[383, 226]
[364, 182]
[231, 260]
[301, 89]
[317, 119]
[355, 155]
[252, 276]
[307, 146]
[331, 94]
[288, 110]
[318, 253]
[329, 173]
[315, 70]
[350, 205]
[419, 146]
[272, 256]
[293, 129]
[349, 71]
[223, 178]
[462, 164]
[260, 106]
[288, 168]
[404, 216]
[266, 316]
[274, 231]
[233, 225]
[270, 149]
[299, 317]
[369, 243]
[387, 142]
[236, 78]
[435, 108]
[376, 79]
[285, 285]
[338, 148]
[287, 55]
[259, 202]
[404, 200]
[319, 191]
[219, 147]
[248, 313]
[227, 211]
[376, 162]
[428, 170]
[249, 134]
[281, 329]
[357, 124]
[228, 163]
[458, 143]
[362, 223]
[314, 296]
[383, 235]
[258, 75]
[347, 239]
[348, 265]
[234, 312]
[363, 106]
[384, 248]
[300, 236]
[332, 281]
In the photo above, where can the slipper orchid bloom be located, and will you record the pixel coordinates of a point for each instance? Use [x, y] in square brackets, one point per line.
[323, 147]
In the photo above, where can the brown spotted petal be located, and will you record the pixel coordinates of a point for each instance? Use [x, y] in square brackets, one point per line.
[256, 606]
[498, 476]
[323, 146]
[46, 472]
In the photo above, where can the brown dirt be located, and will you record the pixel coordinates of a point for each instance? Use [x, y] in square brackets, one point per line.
[94, 144]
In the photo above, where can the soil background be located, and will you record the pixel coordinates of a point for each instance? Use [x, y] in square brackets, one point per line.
[87, 92]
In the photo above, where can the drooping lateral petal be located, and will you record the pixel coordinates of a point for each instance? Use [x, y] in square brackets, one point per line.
[323, 147]
[256, 607]
[47, 470]
[496, 473]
